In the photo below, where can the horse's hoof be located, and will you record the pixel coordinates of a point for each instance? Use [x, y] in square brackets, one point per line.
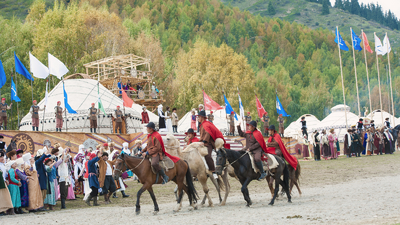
[250, 203]
[155, 213]
[222, 203]
[137, 212]
[271, 203]
[211, 205]
[290, 201]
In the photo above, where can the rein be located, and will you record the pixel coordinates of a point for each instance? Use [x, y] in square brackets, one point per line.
[227, 164]
[126, 166]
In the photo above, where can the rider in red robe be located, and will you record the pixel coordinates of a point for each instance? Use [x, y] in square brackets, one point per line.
[275, 146]
[255, 144]
[191, 136]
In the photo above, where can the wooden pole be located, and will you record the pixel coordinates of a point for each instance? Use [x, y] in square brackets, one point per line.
[355, 72]
[32, 89]
[390, 77]
[379, 82]
[366, 68]
[341, 73]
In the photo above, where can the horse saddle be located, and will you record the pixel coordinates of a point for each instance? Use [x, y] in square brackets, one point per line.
[269, 162]
[166, 164]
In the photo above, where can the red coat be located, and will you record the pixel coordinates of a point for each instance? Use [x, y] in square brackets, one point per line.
[194, 139]
[145, 117]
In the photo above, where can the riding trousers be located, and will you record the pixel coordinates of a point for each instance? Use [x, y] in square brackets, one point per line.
[209, 160]
[154, 162]
[257, 155]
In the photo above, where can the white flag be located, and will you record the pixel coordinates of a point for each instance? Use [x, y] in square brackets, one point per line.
[37, 68]
[46, 94]
[56, 67]
[379, 49]
[241, 110]
[386, 44]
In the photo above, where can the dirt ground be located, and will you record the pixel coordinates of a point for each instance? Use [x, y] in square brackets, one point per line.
[362, 190]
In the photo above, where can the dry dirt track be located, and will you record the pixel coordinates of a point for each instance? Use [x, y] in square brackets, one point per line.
[361, 198]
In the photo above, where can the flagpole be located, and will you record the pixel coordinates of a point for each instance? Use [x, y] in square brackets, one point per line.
[379, 82]
[65, 110]
[241, 116]
[226, 115]
[44, 110]
[355, 72]
[390, 77]
[11, 105]
[341, 73]
[32, 88]
[16, 93]
[366, 68]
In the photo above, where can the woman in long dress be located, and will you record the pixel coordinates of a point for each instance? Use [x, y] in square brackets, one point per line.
[35, 194]
[51, 166]
[193, 120]
[332, 143]
[161, 119]
[169, 121]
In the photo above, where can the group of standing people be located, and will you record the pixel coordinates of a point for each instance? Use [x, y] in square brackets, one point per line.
[325, 145]
[167, 122]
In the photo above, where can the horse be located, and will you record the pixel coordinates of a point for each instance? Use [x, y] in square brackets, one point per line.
[193, 154]
[240, 161]
[396, 134]
[142, 168]
[294, 179]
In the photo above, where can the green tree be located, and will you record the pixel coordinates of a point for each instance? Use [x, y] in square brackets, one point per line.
[325, 7]
[271, 9]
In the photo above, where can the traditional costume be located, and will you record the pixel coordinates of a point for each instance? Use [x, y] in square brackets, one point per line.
[41, 170]
[93, 112]
[347, 143]
[281, 126]
[106, 180]
[168, 122]
[248, 120]
[35, 194]
[370, 143]
[325, 145]
[316, 145]
[93, 181]
[175, 121]
[332, 138]
[145, 116]
[118, 115]
[13, 186]
[6, 203]
[304, 126]
[161, 119]
[193, 139]
[210, 117]
[35, 115]
[378, 140]
[193, 121]
[356, 146]
[266, 119]
[59, 117]
[51, 193]
[3, 113]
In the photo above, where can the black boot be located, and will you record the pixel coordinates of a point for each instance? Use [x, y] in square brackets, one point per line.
[56, 129]
[164, 177]
[89, 199]
[16, 210]
[94, 130]
[124, 195]
[95, 201]
[33, 128]
[37, 128]
[5, 128]
[115, 195]
[91, 130]
[62, 203]
[263, 173]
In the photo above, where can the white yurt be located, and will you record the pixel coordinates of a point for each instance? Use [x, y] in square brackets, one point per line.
[220, 121]
[337, 120]
[294, 129]
[378, 115]
[81, 93]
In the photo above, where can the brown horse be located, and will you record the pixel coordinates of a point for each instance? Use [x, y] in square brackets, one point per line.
[142, 168]
[294, 179]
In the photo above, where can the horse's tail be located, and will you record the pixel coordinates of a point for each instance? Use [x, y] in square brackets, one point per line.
[192, 193]
[221, 184]
[286, 175]
[298, 173]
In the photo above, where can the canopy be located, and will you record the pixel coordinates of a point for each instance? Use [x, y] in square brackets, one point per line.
[81, 93]
[294, 129]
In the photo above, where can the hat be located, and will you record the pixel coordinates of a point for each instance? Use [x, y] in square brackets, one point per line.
[280, 114]
[27, 157]
[232, 113]
[58, 102]
[105, 144]
[248, 112]
[191, 131]
[211, 112]
[253, 123]
[34, 101]
[271, 127]
[202, 113]
[125, 144]
[20, 151]
[10, 163]
[39, 152]
[265, 113]
[151, 125]
[138, 141]
[331, 130]
[19, 161]
[201, 105]
[118, 106]
[3, 99]
[112, 144]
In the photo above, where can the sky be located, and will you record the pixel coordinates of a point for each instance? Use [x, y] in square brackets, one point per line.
[393, 5]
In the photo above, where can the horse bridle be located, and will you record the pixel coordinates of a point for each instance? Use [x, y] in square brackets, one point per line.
[126, 166]
[227, 161]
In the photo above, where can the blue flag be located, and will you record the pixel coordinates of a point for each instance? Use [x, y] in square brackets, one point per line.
[342, 44]
[20, 68]
[3, 77]
[67, 106]
[14, 96]
[356, 41]
[228, 108]
[279, 108]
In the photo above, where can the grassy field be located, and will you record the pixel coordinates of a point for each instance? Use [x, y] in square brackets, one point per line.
[314, 174]
[309, 13]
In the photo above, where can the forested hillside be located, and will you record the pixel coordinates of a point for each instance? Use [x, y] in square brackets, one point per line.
[199, 44]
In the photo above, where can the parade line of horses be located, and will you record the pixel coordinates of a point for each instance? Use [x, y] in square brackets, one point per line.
[237, 164]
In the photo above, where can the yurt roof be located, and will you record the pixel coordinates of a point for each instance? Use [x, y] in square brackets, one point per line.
[376, 115]
[220, 121]
[294, 129]
[81, 93]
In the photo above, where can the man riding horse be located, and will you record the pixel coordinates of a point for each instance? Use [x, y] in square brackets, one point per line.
[255, 144]
[275, 146]
[155, 149]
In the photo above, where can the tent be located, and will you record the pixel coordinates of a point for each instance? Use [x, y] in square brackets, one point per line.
[220, 121]
[81, 93]
[337, 120]
[377, 116]
[294, 129]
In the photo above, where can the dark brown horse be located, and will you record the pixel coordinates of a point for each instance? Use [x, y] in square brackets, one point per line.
[142, 168]
[294, 179]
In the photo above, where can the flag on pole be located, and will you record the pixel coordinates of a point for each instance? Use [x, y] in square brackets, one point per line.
[228, 108]
[67, 106]
[37, 68]
[20, 68]
[56, 67]
[99, 99]
[356, 41]
[128, 102]
[386, 44]
[210, 104]
[3, 77]
[241, 109]
[260, 108]
[339, 39]
[46, 97]
[366, 44]
[14, 96]
[279, 108]
[379, 49]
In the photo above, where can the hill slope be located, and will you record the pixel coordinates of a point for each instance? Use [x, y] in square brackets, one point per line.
[310, 14]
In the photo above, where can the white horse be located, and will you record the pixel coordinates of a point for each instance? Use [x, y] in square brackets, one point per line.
[193, 154]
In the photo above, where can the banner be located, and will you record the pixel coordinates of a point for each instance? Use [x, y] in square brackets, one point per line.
[228, 108]
[279, 108]
[14, 96]
[260, 108]
[210, 104]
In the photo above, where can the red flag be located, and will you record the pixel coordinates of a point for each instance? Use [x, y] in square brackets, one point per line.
[127, 101]
[260, 108]
[209, 103]
[366, 44]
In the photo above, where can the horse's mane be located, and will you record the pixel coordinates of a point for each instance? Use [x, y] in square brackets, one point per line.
[234, 153]
[130, 156]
